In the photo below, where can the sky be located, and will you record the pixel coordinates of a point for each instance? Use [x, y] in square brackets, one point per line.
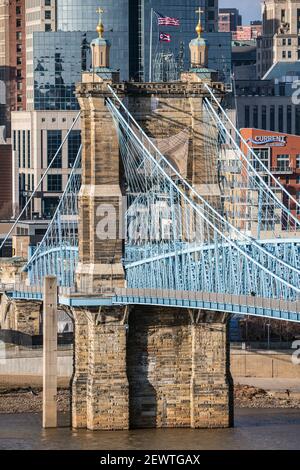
[250, 9]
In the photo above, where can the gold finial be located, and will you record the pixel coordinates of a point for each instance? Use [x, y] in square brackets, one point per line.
[100, 27]
[199, 28]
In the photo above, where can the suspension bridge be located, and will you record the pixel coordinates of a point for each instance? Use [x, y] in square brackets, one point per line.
[231, 245]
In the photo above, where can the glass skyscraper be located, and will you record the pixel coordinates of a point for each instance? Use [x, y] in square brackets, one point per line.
[127, 25]
[59, 59]
[80, 15]
[219, 43]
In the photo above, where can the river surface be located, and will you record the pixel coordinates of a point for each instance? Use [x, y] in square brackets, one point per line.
[254, 429]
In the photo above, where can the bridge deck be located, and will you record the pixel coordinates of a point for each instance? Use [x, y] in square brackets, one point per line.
[243, 305]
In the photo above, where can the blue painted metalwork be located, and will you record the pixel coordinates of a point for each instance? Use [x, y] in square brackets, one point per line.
[57, 254]
[244, 240]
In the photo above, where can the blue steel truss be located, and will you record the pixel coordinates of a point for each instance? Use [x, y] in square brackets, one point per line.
[57, 254]
[241, 240]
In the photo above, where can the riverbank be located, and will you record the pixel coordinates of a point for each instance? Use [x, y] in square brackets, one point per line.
[29, 400]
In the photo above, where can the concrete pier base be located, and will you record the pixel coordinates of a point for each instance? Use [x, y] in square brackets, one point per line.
[152, 368]
[50, 353]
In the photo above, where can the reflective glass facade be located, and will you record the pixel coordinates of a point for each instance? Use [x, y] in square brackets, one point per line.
[54, 140]
[74, 142]
[220, 54]
[180, 36]
[59, 59]
[80, 15]
[127, 25]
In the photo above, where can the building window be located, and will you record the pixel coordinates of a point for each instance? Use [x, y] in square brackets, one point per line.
[24, 148]
[48, 15]
[264, 117]
[264, 157]
[49, 206]
[289, 119]
[255, 117]
[272, 118]
[28, 149]
[19, 149]
[297, 120]
[54, 140]
[298, 162]
[74, 142]
[55, 183]
[280, 118]
[284, 54]
[283, 162]
[298, 180]
[247, 116]
[15, 141]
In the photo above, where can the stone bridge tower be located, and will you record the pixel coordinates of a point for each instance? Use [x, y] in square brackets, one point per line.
[142, 366]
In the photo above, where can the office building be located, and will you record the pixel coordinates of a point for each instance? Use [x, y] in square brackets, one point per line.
[268, 104]
[244, 60]
[40, 16]
[280, 153]
[280, 40]
[58, 49]
[59, 60]
[229, 20]
[116, 18]
[37, 136]
[180, 36]
[248, 33]
[5, 181]
[12, 60]
[128, 28]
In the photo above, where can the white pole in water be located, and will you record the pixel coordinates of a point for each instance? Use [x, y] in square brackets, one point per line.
[151, 41]
[50, 353]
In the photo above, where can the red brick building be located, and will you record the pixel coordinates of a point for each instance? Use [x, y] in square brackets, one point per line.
[5, 182]
[12, 59]
[17, 39]
[247, 33]
[281, 155]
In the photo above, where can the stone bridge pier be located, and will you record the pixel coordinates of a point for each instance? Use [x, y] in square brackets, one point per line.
[151, 367]
[142, 367]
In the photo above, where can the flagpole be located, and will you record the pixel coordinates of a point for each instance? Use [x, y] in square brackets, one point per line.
[151, 41]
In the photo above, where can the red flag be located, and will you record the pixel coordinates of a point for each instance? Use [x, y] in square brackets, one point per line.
[163, 37]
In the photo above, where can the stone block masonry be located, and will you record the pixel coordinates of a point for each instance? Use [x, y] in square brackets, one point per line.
[151, 368]
[20, 315]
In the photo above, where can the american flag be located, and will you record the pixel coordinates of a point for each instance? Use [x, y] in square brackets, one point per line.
[165, 37]
[167, 21]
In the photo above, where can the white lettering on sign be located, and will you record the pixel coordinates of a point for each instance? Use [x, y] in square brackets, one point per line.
[272, 140]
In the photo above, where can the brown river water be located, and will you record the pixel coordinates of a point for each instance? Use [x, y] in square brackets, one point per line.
[254, 429]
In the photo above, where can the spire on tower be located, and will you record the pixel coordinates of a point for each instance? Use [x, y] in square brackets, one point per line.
[100, 48]
[199, 28]
[100, 26]
[198, 46]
